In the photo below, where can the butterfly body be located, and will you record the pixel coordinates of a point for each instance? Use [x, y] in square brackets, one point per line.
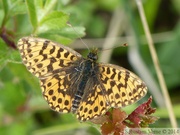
[71, 83]
[86, 71]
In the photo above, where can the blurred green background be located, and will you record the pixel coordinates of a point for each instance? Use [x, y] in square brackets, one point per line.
[102, 24]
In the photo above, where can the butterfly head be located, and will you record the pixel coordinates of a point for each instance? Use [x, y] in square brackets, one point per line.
[93, 55]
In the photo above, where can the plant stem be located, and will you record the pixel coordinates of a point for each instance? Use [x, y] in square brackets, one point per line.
[156, 64]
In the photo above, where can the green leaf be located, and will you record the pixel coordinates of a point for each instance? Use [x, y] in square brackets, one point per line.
[44, 8]
[75, 32]
[6, 9]
[57, 38]
[5, 6]
[64, 35]
[54, 20]
[32, 13]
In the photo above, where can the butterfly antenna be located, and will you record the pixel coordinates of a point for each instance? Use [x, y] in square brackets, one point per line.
[78, 36]
[123, 45]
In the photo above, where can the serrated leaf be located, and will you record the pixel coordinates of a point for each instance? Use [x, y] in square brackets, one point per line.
[44, 8]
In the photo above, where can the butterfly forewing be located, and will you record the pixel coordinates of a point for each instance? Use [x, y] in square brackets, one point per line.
[121, 87]
[43, 57]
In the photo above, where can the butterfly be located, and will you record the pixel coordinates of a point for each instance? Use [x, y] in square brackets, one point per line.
[71, 83]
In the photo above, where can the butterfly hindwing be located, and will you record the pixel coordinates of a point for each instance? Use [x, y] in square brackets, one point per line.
[93, 103]
[58, 91]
